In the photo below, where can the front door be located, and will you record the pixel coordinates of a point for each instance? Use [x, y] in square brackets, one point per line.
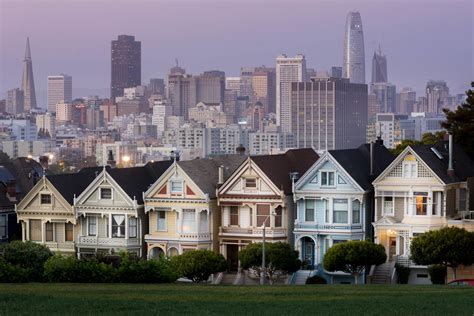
[392, 248]
[233, 257]
[308, 253]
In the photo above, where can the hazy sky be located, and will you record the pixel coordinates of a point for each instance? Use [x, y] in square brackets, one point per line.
[423, 39]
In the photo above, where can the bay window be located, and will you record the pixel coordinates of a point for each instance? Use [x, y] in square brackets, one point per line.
[356, 212]
[118, 226]
[189, 221]
[234, 216]
[161, 221]
[263, 211]
[340, 209]
[92, 225]
[309, 211]
[132, 227]
[421, 203]
[388, 205]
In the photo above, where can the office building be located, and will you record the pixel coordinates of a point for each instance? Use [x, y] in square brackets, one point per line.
[436, 94]
[379, 67]
[354, 53]
[126, 65]
[15, 101]
[386, 94]
[46, 124]
[59, 90]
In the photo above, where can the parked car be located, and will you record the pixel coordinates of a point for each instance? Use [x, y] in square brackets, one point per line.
[469, 282]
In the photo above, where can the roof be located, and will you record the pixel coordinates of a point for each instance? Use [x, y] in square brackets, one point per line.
[24, 171]
[279, 167]
[462, 164]
[205, 172]
[72, 184]
[356, 162]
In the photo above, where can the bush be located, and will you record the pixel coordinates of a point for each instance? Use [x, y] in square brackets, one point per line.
[403, 273]
[69, 269]
[134, 270]
[198, 265]
[437, 274]
[13, 274]
[27, 255]
[61, 269]
[316, 279]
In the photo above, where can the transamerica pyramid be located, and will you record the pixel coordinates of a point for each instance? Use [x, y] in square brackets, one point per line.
[28, 83]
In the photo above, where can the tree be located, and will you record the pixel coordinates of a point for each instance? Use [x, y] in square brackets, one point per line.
[353, 256]
[280, 259]
[426, 139]
[27, 255]
[449, 246]
[460, 123]
[199, 265]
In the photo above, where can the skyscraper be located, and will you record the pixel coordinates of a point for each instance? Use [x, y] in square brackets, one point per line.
[379, 67]
[288, 70]
[386, 94]
[126, 65]
[59, 90]
[15, 101]
[436, 94]
[28, 83]
[354, 55]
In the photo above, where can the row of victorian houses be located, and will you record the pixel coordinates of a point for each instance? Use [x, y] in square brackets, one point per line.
[308, 200]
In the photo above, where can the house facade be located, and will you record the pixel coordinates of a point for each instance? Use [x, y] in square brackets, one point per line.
[424, 188]
[182, 206]
[334, 204]
[259, 193]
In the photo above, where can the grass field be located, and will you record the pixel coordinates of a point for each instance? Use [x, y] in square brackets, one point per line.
[119, 299]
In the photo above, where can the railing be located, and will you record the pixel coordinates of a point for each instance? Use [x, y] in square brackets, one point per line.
[404, 261]
[327, 226]
[110, 242]
[204, 236]
[269, 231]
[467, 215]
[59, 245]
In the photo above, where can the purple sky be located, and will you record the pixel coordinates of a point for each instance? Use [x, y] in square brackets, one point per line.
[423, 39]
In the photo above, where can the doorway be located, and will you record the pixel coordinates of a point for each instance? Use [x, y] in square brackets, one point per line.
[392, 248]
[308, 255]
[233, 257]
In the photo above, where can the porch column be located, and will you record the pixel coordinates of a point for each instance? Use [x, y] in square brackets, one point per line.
[110, 225]
[126, 226]
[376, 209]
[43, 231]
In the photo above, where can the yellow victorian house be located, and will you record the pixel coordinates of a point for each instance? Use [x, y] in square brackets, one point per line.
[182, 206]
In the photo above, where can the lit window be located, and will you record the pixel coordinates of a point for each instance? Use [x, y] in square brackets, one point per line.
[161, 224]
[421, 204]
[176, 187]
[45, 198]
[106, 193]
[251, 183]
[327, 178]
[340, 211]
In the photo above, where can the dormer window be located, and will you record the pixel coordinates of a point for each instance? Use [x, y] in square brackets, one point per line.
[250, 183]
[327, 178]
[105, 193]
[176, 187]
[45, 198]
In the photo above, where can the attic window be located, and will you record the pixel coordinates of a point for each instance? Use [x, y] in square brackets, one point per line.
[106, 193]
[45, 198]
[251, 183]
[176, 187]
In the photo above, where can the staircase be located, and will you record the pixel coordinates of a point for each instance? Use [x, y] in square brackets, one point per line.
[301, 276]
[381, 274]
[228, 278]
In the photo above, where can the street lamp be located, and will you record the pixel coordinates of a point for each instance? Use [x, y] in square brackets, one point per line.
[263, 271]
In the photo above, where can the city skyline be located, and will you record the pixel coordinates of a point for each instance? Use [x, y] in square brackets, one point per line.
[322, 51]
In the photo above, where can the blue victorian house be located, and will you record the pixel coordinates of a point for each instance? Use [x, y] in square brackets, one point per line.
[334, 201]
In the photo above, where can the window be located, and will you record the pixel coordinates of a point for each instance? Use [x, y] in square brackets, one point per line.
[309, 211]
[161, 224]
[410, 169]
[69, 232]
[176, 187]
[326, 211]
[132, 227]
[278, 217]
[462, 199]
[35, 230]
[356, 212]
[45, 198]
[434, 203]
[118, 226]
[234, 216]
[3, 226]
[421, 204]
[203, 223]
[250, 183]
[189, 221]
[388, 205]
[49, 231]
[92, 225]
[106, 193]
[340, 211]
[327, 178]
[263, 211]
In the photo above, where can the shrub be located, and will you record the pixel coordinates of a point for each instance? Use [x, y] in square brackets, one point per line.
[134, 270]
[403, 273]
[316, 279]
[437, 273]
[198, 265]
[28, 255]
[13, 274]
[61, 269]
[93, 271]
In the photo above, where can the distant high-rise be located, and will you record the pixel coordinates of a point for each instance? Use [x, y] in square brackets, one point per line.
[328, 113]
[59, 90]
[436, 94]
[354, 55]
[288, 70]
[210, 87]
[386, 94]
[335, 72]
[263, 88]
[406, 100]
[379, 67]
[28, 83]
[126, 65]
[15, 101]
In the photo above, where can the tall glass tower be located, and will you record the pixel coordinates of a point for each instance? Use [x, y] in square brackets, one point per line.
[354, 56]
[27, 82]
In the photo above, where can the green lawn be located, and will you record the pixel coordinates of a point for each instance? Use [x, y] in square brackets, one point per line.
[118, 299]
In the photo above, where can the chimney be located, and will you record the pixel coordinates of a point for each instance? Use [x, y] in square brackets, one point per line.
[379, 140]
[240, 150]
[44, 162]
[371, 158]
[11, 190]
[221, 175]
[450, 163]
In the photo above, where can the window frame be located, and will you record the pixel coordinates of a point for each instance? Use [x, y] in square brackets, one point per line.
[46, 195]
[424, 205]
[334, 211]
[234, 216]
[359, 211]
[325, 177]
[4, 226]
[176, 191]
[48, 232]
[410, 169]
[163, 220]
[268, 222]
[384, 208]
[101, 197]
[90, 224]
[132, 228]
[306, 210]
[246, 181]
[66, 225]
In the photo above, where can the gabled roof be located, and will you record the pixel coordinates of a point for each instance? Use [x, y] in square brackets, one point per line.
[72, 184]
[462, 164]
[205, 172]
[356, 162]
[279, 167]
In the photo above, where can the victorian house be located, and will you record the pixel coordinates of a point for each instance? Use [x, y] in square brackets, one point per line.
[259, 194]
[424, 188]
[182, 205]
[334, 203]
[110, 211]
